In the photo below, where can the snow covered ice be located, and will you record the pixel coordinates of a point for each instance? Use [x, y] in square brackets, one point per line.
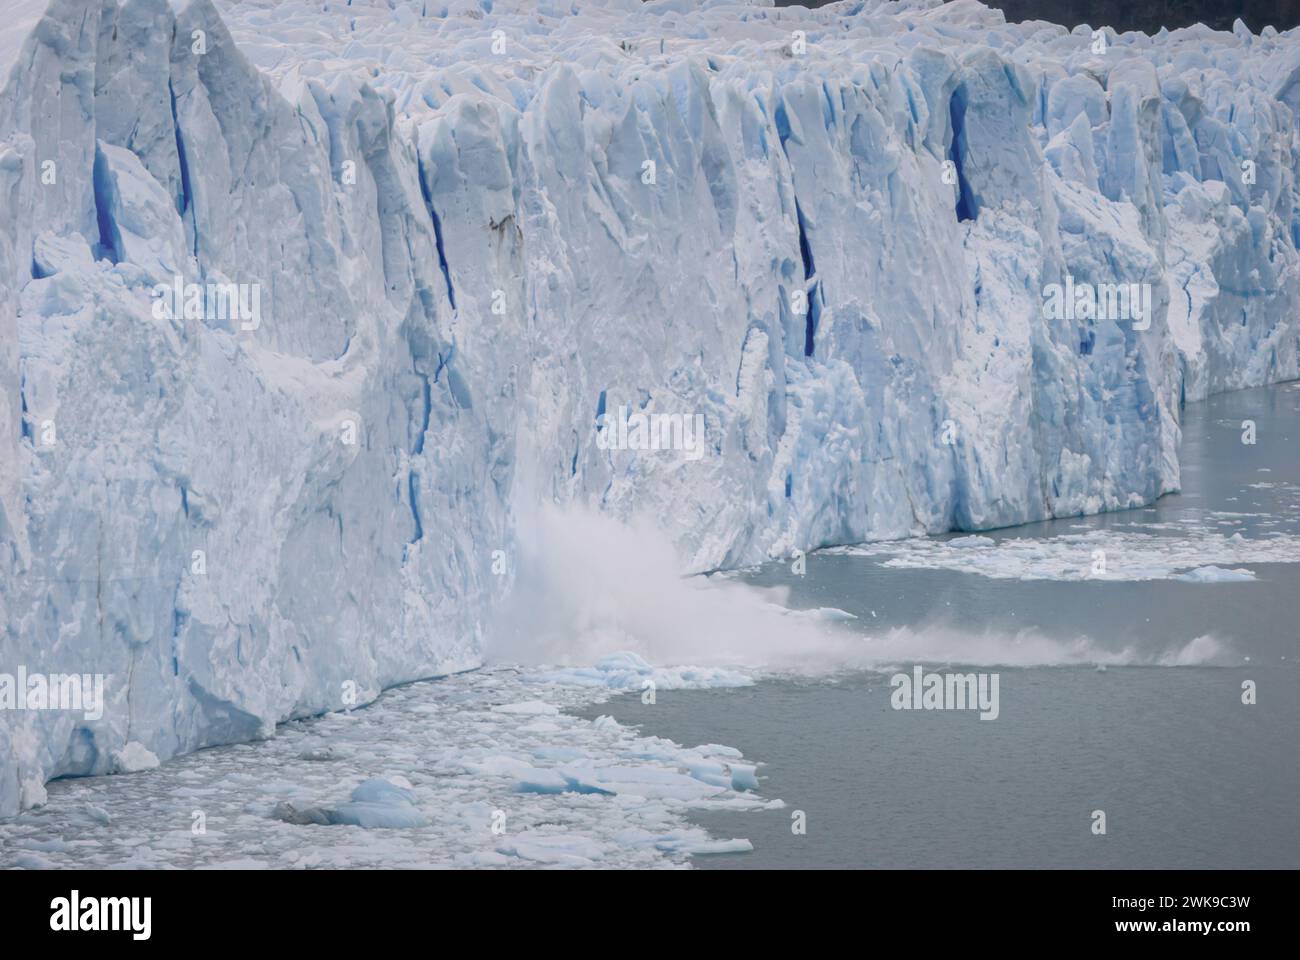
[474, 228]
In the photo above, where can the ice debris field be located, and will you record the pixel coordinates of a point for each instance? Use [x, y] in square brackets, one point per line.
[483, 774]
[458, 234]
[1134, 554]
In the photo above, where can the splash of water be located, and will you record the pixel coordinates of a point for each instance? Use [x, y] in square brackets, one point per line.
[588, 585]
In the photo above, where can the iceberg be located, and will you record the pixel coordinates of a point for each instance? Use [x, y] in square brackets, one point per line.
[475, 230]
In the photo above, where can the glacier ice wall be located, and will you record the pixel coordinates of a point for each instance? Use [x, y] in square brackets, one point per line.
[476, 226]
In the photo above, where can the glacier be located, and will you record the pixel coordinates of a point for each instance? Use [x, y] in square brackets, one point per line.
[475, 227]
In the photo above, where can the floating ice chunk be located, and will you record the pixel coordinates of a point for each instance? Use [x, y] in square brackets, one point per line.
[321, 754]
[706, 847]
[529, 778]
[379, 804]
[651, 782]
[133, 757]
[821, 614]
[483, 858]
[743, 776]
[379, 790]
[376, 804]
[290, 813]
[561, 849]
[94, 814]
[1213, 574]
[973, 540]
[718, 750]
[573, 783]
[541, 726]
[681, 841]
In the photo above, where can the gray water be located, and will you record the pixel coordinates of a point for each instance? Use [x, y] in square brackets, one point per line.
[1186, 774]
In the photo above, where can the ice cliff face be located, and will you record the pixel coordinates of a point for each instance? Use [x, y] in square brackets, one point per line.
[471, 229]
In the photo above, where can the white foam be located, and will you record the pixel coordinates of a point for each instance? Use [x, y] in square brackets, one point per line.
[1028, 648]
[589, 587]
[601, 604]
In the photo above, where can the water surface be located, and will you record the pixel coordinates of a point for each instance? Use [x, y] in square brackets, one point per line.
[1187, 775]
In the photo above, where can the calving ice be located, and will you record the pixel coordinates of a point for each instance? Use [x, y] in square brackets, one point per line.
[946, 691]
[75, 913]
